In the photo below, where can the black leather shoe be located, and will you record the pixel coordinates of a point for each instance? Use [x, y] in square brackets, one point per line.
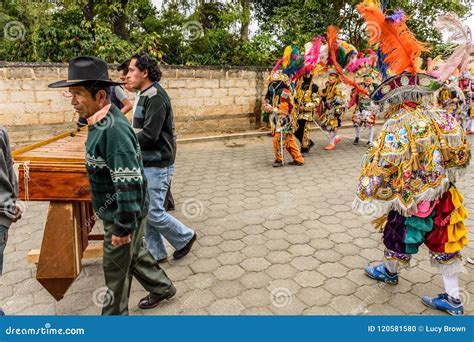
[185, 250]
[356, 141]
[294, 162]
[161, 261]
[152, 300]
[277, 163]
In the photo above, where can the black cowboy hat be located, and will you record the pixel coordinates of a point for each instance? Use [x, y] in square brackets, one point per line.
[86, 70]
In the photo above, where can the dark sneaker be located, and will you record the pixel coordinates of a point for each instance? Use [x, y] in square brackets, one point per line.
[185, 250]
[356, 141]
[152, 300]
[277, 163]
[294, 162]
[442, 303]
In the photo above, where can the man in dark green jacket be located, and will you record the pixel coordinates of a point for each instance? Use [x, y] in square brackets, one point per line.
[118, 188]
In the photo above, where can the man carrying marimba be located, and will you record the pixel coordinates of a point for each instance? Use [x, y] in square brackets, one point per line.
[154, 125]
[118, 188]
[10, 212]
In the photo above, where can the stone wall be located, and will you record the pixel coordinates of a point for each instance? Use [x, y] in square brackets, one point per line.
[205, 99]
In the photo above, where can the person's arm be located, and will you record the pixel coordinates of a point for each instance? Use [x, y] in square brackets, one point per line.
[8, 179]
[122, 97]
[127, 176]
[156, 109]
[127, 106]
[11, 171]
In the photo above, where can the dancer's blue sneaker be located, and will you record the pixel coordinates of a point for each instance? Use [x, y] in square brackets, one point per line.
[442, 303]
[379, 272]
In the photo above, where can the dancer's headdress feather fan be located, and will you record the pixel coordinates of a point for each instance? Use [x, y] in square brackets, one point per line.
[459, 34]
[332, 33]
[396, 41]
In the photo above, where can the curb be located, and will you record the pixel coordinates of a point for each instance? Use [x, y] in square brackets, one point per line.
[244, 135]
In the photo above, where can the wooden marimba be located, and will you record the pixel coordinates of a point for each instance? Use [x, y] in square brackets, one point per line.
[54, 171]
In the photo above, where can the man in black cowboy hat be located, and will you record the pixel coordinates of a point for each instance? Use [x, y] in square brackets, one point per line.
[118, 187]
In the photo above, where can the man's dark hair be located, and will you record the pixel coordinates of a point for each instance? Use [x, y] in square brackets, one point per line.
[124, 67]
[94, 88]
[146, 62]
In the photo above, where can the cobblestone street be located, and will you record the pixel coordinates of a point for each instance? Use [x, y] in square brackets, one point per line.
[270, 241]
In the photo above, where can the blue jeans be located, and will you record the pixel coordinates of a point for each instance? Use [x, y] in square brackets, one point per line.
[159, 223]
[3, 243]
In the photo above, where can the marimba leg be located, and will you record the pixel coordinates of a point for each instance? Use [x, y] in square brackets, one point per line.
[61, 250]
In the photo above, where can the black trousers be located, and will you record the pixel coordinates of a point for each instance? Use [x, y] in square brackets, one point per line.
[302, 134]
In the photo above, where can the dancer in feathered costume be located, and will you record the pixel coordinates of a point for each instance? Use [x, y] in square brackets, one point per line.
[279, 89]
[280, 105]
[366, 111]
[465, 83]
[280, 85]
[283, 137]
[408, 176]
[452, 100]
[306, 96]
[331, 116]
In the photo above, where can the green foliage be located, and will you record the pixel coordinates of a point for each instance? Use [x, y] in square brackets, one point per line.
[59, 32]
[298, 21]
[187, 32]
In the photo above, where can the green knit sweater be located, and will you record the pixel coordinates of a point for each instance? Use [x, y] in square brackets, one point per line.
[115, 171]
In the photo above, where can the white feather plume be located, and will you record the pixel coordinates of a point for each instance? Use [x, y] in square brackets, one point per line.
[458, 34]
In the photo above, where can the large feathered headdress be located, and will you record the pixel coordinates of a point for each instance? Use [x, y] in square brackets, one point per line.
[396, 41]
[332, 33]
[401, 52]
[458, 34]
[292, 61]
[311, 56]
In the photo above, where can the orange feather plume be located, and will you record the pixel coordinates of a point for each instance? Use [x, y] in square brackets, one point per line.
[332, 33]
[396, 41]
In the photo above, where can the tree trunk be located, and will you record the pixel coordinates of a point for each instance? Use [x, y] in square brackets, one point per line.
[89, 10]
[245, 20]
[119, 21]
